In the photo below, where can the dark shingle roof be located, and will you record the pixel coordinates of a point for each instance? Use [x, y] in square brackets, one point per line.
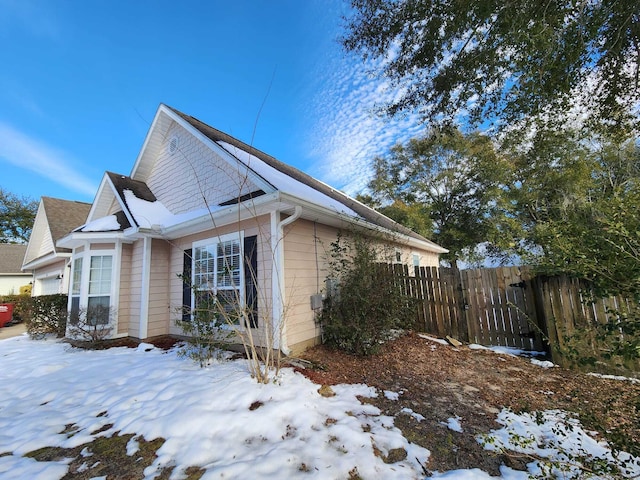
[362, 210]
[11, 257]
[64, 216]
[139, 189]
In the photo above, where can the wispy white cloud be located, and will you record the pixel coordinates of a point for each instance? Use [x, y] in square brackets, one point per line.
[30, 154]
[348, 133]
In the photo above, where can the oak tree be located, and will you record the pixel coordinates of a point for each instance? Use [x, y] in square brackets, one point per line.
[16, 217]
[450, 180]
[504, 61]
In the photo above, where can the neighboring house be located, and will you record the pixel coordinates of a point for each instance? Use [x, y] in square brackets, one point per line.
[202, 205]
[11, 276]
[47, 263]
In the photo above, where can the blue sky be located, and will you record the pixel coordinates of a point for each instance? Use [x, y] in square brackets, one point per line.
[81, 81]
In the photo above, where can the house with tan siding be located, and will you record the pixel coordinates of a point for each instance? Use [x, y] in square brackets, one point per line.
[47, 263]
[204, 212]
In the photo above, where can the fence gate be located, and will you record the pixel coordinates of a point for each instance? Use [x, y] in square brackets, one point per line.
[440, 307]
[485, 306]
[501, 308]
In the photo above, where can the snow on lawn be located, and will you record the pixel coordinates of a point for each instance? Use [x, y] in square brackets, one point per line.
[558, 446]
[217, 417]
[220, 419]
[517, 352]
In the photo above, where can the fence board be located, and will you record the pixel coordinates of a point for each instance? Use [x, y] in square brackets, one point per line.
[507, 306]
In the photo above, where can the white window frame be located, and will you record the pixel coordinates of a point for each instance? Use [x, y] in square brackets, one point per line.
[213, 243]
[83, 295]
[101, 292]
[415, 256]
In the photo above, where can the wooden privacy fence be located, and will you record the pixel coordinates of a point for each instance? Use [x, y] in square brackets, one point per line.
[573, 321]
[484, 306]
[507, 306]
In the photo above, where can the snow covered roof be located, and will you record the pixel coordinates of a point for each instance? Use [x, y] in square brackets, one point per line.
[295, 182]
[141, 209]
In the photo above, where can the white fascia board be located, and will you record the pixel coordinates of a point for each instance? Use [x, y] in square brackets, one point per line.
[153, 130]
[124, 208]
[76, 239]
[95, 204]
[43, 261]
[315, 212]
[106, 183]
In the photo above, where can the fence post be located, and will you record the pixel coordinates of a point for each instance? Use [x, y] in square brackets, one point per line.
[461, 306]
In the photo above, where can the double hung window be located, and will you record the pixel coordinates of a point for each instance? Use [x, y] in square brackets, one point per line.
[76, 279]
[91, 288]
[218, 277]
[99, 296]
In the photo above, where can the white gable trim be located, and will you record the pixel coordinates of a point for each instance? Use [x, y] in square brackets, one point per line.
[151, 146]
[100, 201]
[120, 201]
[99, 207]
[40, 233]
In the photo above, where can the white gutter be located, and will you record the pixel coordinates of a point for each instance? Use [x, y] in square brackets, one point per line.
[277, 277]
[325, 215]
[45, 260]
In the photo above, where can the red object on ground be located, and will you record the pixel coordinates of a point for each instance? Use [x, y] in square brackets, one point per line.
[6, 313]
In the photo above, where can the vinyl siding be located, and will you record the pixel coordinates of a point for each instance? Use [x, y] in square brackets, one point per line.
[259, 227]
[135, 289]
[307, 251]
[181, 180]
[40, 241]
[305, 271]
[159, 308]
[50, 271]
[124, 300]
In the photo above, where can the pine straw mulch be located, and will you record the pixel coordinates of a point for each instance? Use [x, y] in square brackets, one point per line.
[440, 382]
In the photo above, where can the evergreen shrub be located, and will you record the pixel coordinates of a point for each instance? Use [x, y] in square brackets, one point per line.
[363, 303]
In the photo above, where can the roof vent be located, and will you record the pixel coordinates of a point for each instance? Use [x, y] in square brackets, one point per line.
[173, 145]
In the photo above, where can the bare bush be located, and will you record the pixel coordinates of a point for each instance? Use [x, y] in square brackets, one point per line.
[92, 324]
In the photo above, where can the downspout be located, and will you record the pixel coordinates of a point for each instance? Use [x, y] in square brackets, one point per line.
[144, 287]
[277, 278]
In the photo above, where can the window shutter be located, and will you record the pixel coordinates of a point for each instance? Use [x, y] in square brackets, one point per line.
[186, 285]
[250, 278]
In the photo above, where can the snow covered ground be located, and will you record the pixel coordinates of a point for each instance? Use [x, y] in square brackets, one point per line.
[217, 418]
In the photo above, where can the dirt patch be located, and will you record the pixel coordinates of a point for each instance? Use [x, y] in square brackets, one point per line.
[164, 342]
[438, 382]
[105, 456]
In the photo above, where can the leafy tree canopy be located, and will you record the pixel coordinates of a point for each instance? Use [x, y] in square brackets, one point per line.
[578, 210]
[446, 182]
[508, 61]
[16, 217]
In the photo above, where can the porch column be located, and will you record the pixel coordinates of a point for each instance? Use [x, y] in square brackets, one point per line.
[144, 287]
